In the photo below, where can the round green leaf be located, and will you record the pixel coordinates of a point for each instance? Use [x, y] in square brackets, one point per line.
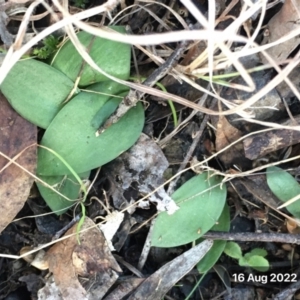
[258, 251]
[233, 249]
[112, 57]
[243, 262]
[72, 132]
[66, 185]
[36, 91]
[214, 253]
[285, 187]
[201, 201]
[258, 263]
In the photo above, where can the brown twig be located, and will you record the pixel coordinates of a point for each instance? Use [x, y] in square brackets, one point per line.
[288, 292]
[189, 154]
[134, 96]
[65, 228]
[191, 150]
[254, 237]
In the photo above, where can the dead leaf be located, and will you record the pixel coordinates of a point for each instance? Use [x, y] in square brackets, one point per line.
[247, 292]
[4, 33]
[32, 281]
[124, 230]
[124, 288]
[284, 90]
[260, 144]
[225, 135]
[265, 108]
[258, 188]
[292, 227]
[15, 135]
[50, 291]
[91, 259]
[159, 283]
[143, 164]
[37, 260]
[285, 21]
[113, 221]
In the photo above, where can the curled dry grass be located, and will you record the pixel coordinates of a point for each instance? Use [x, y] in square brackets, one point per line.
[206, 63]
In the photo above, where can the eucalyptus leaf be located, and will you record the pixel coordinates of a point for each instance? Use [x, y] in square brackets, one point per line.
[72, 132]
[214, 253]
[36, 91]
[111, 56]
[201, 201]
[66, 185]
[285, 187]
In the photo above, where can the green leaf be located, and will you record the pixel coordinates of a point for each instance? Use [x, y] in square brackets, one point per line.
[233, 250]
[258, 263]
[72, 132]
[200, 201]
[36, 91]
[285, 187]
[112, 57]
[66, 185]
[50, 46]
[258, 251]
[248, 255]
[243, 262]
[214, 253]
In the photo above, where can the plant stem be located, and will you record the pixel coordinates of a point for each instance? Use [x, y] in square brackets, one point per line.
[194, 288]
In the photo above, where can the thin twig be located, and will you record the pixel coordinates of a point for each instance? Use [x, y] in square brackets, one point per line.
[134, 96]
[146, 248]
[189, 153]
[67, 227]
[191, 150]
[254, 237]
[288, 292]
